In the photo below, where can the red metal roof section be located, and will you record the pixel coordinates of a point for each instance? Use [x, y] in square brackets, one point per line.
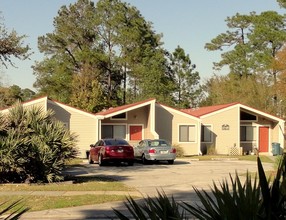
[207, 110]
[121, 108]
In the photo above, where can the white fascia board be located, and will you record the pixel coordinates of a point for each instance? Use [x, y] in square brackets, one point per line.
[74, 109]
[28, 103]
[240, 106]
[128, 109]
[178, 112]
[36, 101]
[266, 115]
[218, 111]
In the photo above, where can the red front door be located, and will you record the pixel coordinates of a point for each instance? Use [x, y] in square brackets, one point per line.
[135, 132]
[263, 139]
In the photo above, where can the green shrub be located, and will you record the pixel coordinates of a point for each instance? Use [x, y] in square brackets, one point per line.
[33, 146]
[179, 150]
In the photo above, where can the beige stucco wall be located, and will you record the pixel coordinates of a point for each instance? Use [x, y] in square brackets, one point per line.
[140, 116]
[223, 140]
[167, 125]
[80, 123]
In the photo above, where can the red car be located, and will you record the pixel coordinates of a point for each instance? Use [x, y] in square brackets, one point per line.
[111, 150]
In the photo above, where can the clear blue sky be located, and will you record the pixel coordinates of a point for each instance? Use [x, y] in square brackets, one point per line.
[188, 23]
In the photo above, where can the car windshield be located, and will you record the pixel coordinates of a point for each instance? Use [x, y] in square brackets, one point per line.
[157, 143]
[114, 142]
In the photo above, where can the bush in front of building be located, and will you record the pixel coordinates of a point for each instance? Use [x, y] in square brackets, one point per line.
[33, 146]
[179, 150]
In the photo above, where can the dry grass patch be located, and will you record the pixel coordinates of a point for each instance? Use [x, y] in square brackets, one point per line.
[38, 203]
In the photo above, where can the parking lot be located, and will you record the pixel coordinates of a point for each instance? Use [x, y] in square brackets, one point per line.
[176, 180]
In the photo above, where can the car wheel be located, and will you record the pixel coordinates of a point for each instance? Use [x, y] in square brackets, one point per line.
[100, 161]
[144, 160]
[170, 161]
[90, 161]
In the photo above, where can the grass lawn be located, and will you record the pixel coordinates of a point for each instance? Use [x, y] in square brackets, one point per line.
[40, 202]
[83, 183]
[263, 158]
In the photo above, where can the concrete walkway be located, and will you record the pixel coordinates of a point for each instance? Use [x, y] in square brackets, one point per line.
[176, 180]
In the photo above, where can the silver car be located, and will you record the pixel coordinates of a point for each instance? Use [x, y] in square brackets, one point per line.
[154, 150]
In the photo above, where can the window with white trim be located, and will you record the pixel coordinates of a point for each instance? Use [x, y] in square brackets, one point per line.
[248, 133]
[187, 133]
[113, 131]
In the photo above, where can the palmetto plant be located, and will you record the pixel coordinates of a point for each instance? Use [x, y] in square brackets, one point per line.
[273, 204]
[235, 200]
[12, 211]
[222, 202]
[33, 146]
[160, 208]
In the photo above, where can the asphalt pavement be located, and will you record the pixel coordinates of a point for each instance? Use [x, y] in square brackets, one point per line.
[175, 180]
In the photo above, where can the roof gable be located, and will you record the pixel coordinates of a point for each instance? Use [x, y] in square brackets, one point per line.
[204, 111]
[65, 106]
[178, 111]
[28, 103]
[124, 108]
[207, 110]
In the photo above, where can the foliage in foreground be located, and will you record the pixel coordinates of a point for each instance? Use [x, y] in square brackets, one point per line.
[14, 209]
[33, 146]
[251, 200]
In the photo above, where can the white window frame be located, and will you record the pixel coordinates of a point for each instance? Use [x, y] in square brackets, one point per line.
[254, 133]
[193, 136]
[111, 124]
[211, 132]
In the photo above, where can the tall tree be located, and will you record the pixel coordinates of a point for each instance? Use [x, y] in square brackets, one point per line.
[254, 42]
[186, 79]
[10, 95]
[87, 91]
[12, 45]
[72, 45]
[282, 3]
[109, 38]
[253, 90]
[236, 42]
[279, 66]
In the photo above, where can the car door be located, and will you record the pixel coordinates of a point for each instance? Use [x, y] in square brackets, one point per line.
[97, 149]
[138, 149]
